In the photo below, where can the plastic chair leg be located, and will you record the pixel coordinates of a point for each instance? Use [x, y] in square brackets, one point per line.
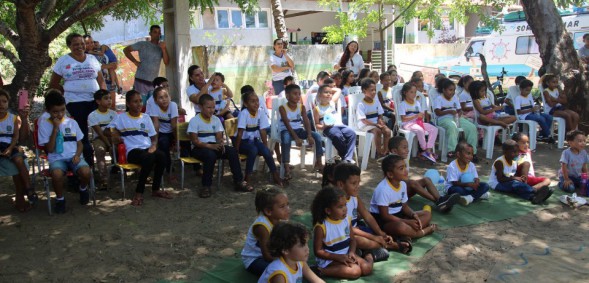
[181, 175]
[48, 193]
[366, 152]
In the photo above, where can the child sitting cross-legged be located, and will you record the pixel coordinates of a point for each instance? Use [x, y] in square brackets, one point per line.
[462, 177]
[369, 114]
[389, 203]
[504, 176]
[573, 162]
[98, 120]
[288, 245]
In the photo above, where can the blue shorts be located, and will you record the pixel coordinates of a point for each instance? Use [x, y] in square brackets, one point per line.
[67, 164]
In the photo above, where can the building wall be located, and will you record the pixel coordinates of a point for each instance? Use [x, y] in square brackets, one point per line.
[117, 31]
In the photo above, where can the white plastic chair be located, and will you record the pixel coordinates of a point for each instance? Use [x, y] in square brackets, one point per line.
[489, 136]
[366, 139]
[529, 126]
[560, 123]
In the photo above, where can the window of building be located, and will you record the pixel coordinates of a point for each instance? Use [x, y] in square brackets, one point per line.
[222, 18]
[526, 45]
[234, 18]
[196, 20]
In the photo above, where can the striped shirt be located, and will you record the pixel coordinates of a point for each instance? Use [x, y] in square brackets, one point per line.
[205, 129]
[135, 131]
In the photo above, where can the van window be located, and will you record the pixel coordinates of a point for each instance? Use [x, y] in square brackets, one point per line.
[526, 45]
[578, 39]
[475, 48]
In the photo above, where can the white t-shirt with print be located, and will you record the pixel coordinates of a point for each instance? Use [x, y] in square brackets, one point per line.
[102, 119]
[71, 135]
[523, 103]
[251, 125]
[79, 77]
[386, 194]
[454, 172]
[164, 116]
[444, 104]
[205, 129]
[135, 131]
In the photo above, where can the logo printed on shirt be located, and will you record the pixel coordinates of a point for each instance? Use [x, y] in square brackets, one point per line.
[68, 131]
[9, 128]
[142, 126]
[347, 231]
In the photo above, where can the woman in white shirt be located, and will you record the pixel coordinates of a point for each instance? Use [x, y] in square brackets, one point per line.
[351, 58]
[281, 64]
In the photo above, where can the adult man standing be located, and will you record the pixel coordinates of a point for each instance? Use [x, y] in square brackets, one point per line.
[150, 55]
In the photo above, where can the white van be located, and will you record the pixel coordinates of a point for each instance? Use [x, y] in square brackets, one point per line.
[514, 48]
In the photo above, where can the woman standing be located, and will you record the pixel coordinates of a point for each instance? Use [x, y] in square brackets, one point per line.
[81, 77]
[351, 58]
[281, 64]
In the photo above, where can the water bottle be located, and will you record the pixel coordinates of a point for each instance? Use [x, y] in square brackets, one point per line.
[59, 143]
[441, 185]
[583, 184]
[122, 154]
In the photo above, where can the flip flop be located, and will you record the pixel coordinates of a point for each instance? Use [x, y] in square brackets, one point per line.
[402, 249]
[137, 201]
[244, 187]
[204, 192]
[161, 194]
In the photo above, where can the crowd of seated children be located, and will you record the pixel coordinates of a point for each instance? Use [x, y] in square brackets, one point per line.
[555, 102]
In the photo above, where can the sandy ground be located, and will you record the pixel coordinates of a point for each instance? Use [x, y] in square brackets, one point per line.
[177, 239]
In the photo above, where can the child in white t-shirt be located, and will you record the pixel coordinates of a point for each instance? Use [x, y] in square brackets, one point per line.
[221, 93]
[164, 115]
[462, 177]
[369, 113]
[98, 120]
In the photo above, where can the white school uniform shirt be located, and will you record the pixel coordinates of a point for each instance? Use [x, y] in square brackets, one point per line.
[251, 124]
[164, 116]
[263, 107]
[101, 119]
[454, 172]
[386, 194]
[465, 98]
[330, 110]
[71, 135]
[405, 108]
[526, 157]
[7, 126]
[79, 77]
[523, 103]
[387, 95]
[369, 111]
[251, 250]
[294, 117]
[486, 103]
[554, 94]
[352, 205]
[150, 103]
[205, 129]
[311, 96]
[220, 103]
[190, 91]
[508, 170]
[280, 267]
[336, 239]
[444, 104]
[135, 131]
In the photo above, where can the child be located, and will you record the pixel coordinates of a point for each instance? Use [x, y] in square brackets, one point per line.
[264, 111]
[512, 93]
[206, 134]
[140, 138]
[337, 78]
[555, 102]
[385, 97]
[251, 138]
[148, 100]
[334, 241]
[389, 203]
[486, 108]
[369, 115]
[526, 110]
[288, 80]
[525, 166]
[10, 125]
[99, 119]
[373, 75]
[447, 109]
[368, 235]
[329, 121]
[424, 186]
[573, 162]
[221, 92]
[65, 152]
[412, 118]
[348, 80]
[272, 207]
[465, 97]
[294, 124]
[503, 176]
[462, 177]
[288, 245]
[164, 115]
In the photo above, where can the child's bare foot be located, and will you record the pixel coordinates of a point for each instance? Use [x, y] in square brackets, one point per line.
[429, 229]
[287, 172]
[276, 179]
[22, 206]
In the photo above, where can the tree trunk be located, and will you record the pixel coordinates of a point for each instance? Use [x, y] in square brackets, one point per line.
[557, 52]
[279, 22]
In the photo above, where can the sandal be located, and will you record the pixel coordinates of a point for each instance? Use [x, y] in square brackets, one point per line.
[244, 187]
[137, 201]
[31, 196]
[161, 194]
[407, 248]
[204, 192]
[23, 207]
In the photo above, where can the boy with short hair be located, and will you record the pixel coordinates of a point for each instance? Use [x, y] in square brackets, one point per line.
[503, 177]
[98, 120]
[462, 177]
[287, 81]
[62, 139]
[424, 187]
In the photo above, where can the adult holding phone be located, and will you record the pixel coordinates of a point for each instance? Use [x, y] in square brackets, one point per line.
[151, 54]
[82, 76]
[351, 58]
[281, 64]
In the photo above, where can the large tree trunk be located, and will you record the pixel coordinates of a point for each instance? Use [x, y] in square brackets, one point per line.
[557, 52]
[279, 23]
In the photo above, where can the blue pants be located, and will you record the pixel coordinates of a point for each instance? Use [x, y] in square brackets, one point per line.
[571, 188]
[286, 140]
[253, 148]
[544, 120]
[483, 188]
[164, 141]
[522, 190]
[258, 266]
[343, 139]
[509, 110]
[80, 112]
[209, 157]
[278, 86]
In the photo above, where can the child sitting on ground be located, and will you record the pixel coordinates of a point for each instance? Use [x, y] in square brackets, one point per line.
[164, 115]
[486, 108]
[367, 233]
[98, 120]
[573, 162]
[503, 176]
[206, 134]
[221, 93]
[526, 110]
[424, 186]
[369, 115]
[555, 102]
[294, 124]
[462, 177]
[288, 245]
[525, 166]
[334, 241]
[389, 203]
[62, 139]
[10, 126]
[272, 207]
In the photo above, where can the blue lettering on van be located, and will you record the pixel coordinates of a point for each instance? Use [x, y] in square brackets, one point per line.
[567, 24]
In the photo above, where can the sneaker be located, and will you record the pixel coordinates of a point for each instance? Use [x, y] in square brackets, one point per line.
[84, 197]
[59, 206]
[429, 156]
[446, 202]
[550, 192]
[486, 195]
[541, 195]
[380, 254]
[465, 200]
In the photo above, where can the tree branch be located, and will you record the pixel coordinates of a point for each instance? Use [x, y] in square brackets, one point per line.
[401, 14]
[9, 33]
[9, 55]
[75, 13]
[46, 10]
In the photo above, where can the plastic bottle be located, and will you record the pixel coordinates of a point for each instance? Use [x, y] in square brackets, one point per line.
[122, 154]
[59, 143]
[584, 184]
[441, 185]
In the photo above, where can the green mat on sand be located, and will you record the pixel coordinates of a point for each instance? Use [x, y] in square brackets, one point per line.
[498, 207]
